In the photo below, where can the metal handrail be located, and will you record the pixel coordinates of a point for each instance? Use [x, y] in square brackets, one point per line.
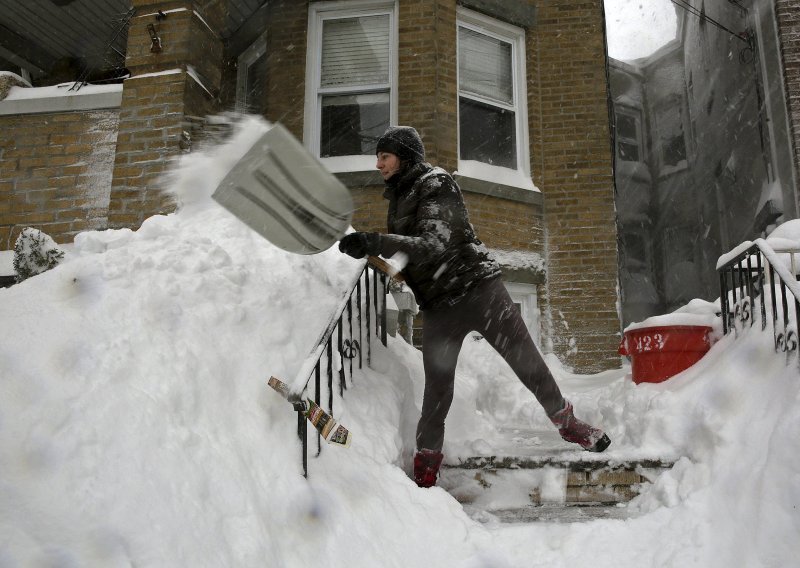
[349, 335]
[746, 273]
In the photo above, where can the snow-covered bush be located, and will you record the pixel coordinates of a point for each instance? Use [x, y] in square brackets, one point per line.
[35, 252]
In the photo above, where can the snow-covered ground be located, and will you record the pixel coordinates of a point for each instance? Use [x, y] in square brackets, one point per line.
[136, 427]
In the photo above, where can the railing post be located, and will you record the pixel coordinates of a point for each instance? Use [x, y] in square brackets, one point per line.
[774, 306]
[723, 299]
[302, 431]
[384, 292]
[762, 280]
[369, 307]
[317, 399]
[340, 347]
[359, 317]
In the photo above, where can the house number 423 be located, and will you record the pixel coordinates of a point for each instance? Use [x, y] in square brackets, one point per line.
[650, 342]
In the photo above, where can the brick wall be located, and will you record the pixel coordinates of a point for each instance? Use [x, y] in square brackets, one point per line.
[572, 166]
[55, 172]
[788, 15]
[167, 91]
[286, 63]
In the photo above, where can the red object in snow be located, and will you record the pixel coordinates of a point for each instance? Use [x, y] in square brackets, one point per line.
[658, 353]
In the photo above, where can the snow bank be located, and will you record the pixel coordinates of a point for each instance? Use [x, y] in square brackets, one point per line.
[136, 428]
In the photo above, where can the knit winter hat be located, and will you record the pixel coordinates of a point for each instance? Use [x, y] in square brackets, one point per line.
[404, 142]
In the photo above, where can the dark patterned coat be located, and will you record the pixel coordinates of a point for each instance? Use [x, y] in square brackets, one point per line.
[428, 222]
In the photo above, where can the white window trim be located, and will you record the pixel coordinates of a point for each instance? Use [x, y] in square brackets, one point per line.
[317, 12]
[244, 61]
[520, 177]
[528, 298]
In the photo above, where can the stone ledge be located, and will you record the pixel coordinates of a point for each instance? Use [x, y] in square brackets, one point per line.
[62, 103]
[502, 191]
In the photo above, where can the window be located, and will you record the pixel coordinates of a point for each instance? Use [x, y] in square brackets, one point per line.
[492, 115]
[628, 133]
[671, 142]
[251, 77]
[350, 82]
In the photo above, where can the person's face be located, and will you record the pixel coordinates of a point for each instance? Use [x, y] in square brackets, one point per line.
[388, 164]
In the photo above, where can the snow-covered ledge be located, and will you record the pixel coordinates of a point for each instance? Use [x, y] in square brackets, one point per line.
[59, 98]
[7, 263]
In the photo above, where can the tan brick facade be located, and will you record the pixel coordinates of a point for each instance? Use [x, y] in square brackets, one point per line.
[571, 223]
[166, 90]
[55, 172]
[573, 165]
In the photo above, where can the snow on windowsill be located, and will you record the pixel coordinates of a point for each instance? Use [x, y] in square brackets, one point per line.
[7, 263]
[343, 164]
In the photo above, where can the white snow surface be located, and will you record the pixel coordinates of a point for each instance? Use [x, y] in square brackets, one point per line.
[136, 427]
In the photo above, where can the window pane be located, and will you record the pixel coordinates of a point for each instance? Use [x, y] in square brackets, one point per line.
[488, 134]
[628, 152]
[484, 66]
[355, 51]
[626, 126]
[352, 124]
[255, 84]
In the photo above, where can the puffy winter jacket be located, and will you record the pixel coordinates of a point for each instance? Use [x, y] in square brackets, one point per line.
[428, 222]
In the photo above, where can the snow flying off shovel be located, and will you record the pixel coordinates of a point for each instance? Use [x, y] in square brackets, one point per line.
[286, 195]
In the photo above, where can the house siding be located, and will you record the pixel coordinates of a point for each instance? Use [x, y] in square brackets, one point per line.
[55, 172]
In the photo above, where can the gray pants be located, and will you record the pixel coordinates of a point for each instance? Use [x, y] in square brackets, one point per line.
[488, 310]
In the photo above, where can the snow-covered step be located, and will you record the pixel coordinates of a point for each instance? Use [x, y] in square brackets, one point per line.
[522, 489]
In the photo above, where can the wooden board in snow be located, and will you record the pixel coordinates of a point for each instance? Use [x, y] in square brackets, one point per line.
[286, 195]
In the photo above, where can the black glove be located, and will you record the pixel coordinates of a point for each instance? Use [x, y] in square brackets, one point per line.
[359, 245]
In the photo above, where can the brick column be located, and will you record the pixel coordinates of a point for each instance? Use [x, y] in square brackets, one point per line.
[572, 165]
[166, 90]
[787, 13]
[428, 93]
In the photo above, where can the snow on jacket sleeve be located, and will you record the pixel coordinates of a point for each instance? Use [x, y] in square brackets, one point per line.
[430, 225]
[431, 231]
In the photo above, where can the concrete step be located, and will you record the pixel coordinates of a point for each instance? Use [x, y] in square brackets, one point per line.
[527, 489]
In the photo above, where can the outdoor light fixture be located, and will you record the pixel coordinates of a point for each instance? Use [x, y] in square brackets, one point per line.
[156, 45]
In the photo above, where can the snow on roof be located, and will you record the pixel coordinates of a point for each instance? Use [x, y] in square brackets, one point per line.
[60, 98]
[61, 90]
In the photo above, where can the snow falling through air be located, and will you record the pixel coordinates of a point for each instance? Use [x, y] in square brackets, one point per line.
[136, 427]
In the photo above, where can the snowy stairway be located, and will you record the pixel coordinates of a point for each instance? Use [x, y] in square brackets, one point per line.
[547, 483]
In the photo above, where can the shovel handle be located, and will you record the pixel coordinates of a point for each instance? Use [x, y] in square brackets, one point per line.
[380, 264]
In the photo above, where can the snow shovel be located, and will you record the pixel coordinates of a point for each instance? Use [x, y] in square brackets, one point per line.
[286, 195]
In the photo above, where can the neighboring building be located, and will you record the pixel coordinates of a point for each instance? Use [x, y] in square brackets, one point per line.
[704, 150]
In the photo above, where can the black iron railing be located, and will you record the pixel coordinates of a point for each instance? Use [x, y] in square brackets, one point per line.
[345, 344]
[757, 284]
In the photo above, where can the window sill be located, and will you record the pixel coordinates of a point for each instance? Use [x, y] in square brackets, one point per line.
[339, 164]
[508, 184]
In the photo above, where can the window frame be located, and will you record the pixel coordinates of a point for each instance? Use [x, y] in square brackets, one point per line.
[318, 12]
[246, 60]
[515, 36]
[669, 103]
[636, 115]
[527, 296]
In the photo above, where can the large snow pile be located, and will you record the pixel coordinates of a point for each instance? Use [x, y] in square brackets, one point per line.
[136, 428]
